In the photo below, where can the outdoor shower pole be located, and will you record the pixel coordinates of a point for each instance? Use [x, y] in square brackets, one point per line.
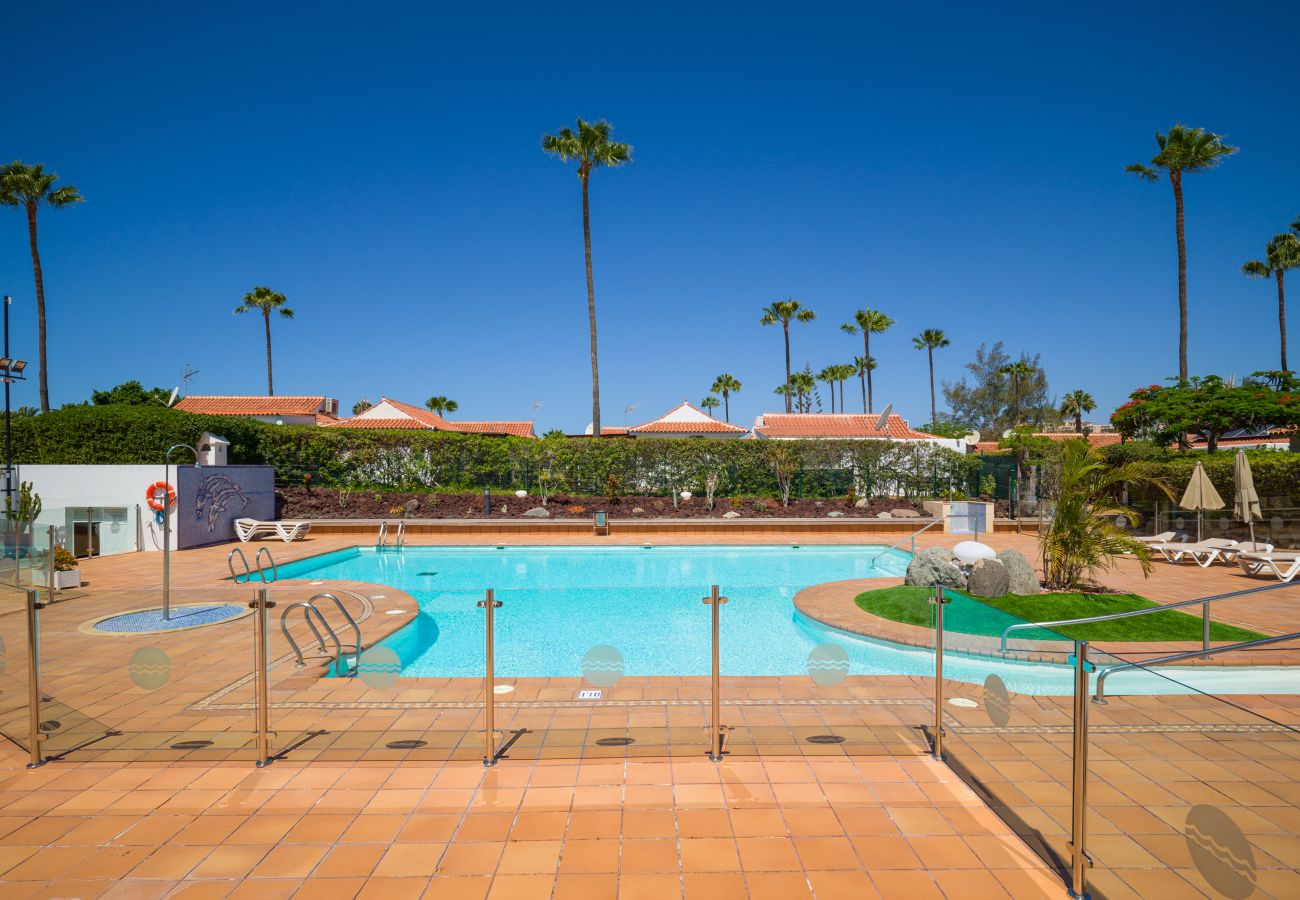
[489, 604]
[167, 526]
[715, 601]
[262, 655]
[34, 733]
[1079, 860]
[939, 601]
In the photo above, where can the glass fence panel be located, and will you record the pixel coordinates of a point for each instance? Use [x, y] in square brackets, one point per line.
[1192, 769]
[14, 680]
[135, 674]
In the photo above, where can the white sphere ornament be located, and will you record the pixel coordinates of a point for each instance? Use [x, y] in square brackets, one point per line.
[521, 494]
[971, 552]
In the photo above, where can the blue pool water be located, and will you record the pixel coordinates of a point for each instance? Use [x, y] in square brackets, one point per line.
[560, 602]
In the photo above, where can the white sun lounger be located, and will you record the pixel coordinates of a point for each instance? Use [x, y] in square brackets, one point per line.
[1176, 552]
[1164, 537]
[1205, 557]
[1285, 564]
[248, 529]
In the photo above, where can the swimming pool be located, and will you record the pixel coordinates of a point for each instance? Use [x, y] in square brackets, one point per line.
[645, 602]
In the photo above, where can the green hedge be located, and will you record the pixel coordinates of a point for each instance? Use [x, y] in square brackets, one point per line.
[422, 460]
[1276, 472]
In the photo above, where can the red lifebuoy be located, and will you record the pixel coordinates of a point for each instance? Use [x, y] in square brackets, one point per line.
[155, 493]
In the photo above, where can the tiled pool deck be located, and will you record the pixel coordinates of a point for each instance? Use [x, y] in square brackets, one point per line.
[343, 814]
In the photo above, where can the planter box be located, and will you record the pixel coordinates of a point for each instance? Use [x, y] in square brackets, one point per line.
[961, 524]
[62, 580]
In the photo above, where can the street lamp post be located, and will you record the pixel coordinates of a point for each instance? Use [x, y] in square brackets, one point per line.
[10, 370]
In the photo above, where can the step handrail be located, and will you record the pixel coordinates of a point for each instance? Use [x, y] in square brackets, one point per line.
[1099, 695]
[1205, 601]
[401, 534]
[352, 623]
[308, 611]
[383, 534]
[975, 521]
[261, 572]
[230, 564]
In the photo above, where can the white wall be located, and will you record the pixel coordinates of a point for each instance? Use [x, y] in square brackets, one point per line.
[66, 491]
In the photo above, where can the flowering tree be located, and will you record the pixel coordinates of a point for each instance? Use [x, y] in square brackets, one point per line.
[1206, 406]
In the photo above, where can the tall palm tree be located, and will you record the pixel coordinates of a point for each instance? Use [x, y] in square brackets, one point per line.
[931, 340]
[869, 322]
[361, 406]
[842, 372]
[710, 403]
[1282, 254]
[1017, 371]
[264, 300]
[1183, 151]
[828, 375]
[862, 366]
[1075, 404]
[592, 147]
[726, 385]
[441, 405]
[804, 384]
[28, 187]
[785, 312]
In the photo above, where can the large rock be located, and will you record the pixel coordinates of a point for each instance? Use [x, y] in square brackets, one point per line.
[1023, 578]
[538, 512]
[861, 503]
[988, 578]
[884, 515]
[731, 514]
[835, 514]
[905, 514]
[933, 567]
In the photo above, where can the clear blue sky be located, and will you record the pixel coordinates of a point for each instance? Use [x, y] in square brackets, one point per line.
[959, 168]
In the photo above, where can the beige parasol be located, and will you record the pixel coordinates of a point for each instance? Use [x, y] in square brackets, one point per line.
[1245, 501]
[1200, 495]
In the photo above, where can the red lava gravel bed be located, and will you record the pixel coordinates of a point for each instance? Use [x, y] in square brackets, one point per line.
[327, 503]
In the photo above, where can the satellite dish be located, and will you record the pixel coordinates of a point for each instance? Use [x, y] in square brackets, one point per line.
[172, 398]
[1008, 433]
[973, 437]
[884, 417]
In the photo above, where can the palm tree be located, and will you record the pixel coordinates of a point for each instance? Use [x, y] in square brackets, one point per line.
[786, 311]
[1018, 371]
[1283, 253]
[1183, 150]
[263, 299]
[726, 385]
[828, 375]
[29, 187]
[862, 366]
[361, 406]
[869, 322]
[842, 372]
[1075, 404]
[710, 403]
[592, 148]
[804, 384]
[930, 340]
[441, 405]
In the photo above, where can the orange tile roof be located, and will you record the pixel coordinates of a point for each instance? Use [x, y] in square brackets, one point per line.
[1103, 439]
[684, 419]
[252, 406]
[416, 418]
[837, 425]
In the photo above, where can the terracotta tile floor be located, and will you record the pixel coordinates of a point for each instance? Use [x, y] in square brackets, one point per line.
[575, 808]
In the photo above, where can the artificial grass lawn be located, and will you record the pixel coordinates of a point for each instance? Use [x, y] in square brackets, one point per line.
[910, 605]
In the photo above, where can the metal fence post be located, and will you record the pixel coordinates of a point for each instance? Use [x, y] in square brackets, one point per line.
[715, 602]
[1079, 860]
[489, 604]
[262, 675]
[35, 735]
[49, 585]
[939, 601]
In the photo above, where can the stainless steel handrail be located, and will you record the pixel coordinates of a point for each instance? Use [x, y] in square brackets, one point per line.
[401, 534]
[1100, 695]
[383, 534]
[308, 611]
[230, 564]
[894, 546]
[1205, 601]
[261, 572]
[352, 623]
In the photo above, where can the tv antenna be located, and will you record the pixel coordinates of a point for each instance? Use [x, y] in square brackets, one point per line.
[186, 374]
[537, 404]
[627, 410]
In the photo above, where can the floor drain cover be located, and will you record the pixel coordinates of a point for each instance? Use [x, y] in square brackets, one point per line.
[615, 741]
[825, 739]
[963, 702]
[405, 745]
[191, 745]
[51, 725]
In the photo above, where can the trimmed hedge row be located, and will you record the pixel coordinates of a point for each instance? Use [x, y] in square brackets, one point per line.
[407, 460]
[1276, 472]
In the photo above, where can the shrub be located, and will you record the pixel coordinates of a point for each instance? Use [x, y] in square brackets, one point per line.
[64, 561]
[575, 510]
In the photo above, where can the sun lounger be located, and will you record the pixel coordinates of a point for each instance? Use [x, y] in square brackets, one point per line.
[248, 529]
[1164, 537]
[1285, 564]
[1178, 551]
[1207, 556]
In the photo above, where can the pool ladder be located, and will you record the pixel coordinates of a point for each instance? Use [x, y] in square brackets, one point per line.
[309, 609]
[248, 572]
[399, 539]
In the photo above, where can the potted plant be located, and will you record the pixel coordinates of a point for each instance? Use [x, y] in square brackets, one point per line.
[66, 573]
[19, 520]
